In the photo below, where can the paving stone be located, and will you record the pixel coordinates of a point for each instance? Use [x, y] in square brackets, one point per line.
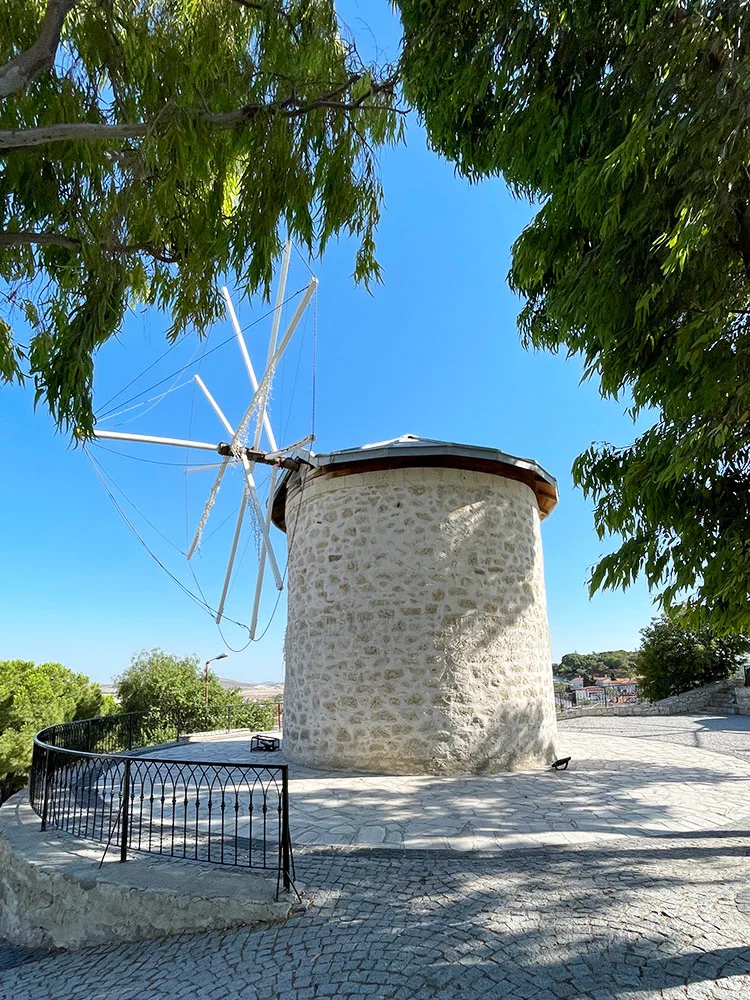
[610, 918]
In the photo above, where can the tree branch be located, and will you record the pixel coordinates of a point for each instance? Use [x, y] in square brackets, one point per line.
[290, 107]
[26, 66]
[742, 214]
[44, 239]
[28, 238]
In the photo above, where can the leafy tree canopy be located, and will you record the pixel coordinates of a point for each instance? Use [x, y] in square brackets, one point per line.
[673, 659]
[33, 696]
[628, 125]
[162, 682]
[174, 686]
[612, 663]
[148, 147]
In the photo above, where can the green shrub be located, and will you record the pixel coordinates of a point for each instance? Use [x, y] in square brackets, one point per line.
[33, 696]
[174, 687]
[673, 659]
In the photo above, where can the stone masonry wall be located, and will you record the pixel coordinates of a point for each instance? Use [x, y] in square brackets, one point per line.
[54, 894]
[678, 704]
[417, 637]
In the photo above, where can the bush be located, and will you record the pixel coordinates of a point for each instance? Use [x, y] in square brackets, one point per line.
[174, 687]
[258, 715]
[33, 696]
[673, 659]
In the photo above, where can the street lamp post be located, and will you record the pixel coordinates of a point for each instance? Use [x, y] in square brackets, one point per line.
[221, 656]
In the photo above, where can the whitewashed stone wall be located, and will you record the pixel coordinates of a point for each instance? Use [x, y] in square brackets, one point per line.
[417, 637]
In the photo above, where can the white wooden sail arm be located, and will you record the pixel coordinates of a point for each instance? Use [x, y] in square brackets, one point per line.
[274, 337]
[151, 439]
[207, 508]
[262, 559]
[248, 362]
[217, 409]
[260, 518]
[269, 373]
[232, 554]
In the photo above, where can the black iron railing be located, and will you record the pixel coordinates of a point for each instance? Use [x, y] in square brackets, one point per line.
[577, 698]
[251, 715]
[85, 781]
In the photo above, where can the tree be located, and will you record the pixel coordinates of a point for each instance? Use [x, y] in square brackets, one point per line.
[33, 696]
[148, 147]
[577, 665]
[612, 663]
[162, 683]
[617, 662]
[627, 124]
[673, 659]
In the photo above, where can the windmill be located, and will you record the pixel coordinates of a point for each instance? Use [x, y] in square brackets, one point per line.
[251, 442]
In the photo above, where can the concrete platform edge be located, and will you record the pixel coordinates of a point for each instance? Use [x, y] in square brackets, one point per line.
[53, 895]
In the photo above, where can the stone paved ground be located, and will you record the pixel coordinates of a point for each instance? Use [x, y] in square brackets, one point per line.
[630, 919]
[718, 733]
[616, 786]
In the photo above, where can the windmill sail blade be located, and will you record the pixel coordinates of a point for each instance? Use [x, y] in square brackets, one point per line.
[248, 362]
[207, 509]
[262, 559]
[247, 446]
[250, 488]
[272, 341]
[217, 409]
[232, 554]
[265, 382]
[220, 475]
[264, 528]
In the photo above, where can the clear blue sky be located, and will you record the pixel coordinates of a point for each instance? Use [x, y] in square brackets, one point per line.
[434, 352]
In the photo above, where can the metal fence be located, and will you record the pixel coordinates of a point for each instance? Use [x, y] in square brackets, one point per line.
[250, 715]
[577, 698]
[84, 781]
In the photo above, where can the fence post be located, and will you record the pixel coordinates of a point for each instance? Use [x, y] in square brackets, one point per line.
[45, 794]
[125, 806]
[285, 834]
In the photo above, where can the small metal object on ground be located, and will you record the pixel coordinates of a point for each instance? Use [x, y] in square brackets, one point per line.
[265, 743]
[560, 765]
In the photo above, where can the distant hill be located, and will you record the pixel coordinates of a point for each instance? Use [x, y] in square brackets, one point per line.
[272, 690]
[227, 682]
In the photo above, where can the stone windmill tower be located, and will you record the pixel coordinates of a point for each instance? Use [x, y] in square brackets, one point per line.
[417, 637]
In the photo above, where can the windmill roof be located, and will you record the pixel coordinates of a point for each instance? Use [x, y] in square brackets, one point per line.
[412, 451]
[414, 446]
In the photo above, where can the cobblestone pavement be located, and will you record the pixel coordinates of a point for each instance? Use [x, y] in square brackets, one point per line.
[719, 733]
[615, 786]
[628, 919]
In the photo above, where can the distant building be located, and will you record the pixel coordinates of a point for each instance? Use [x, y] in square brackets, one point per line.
[590, 694]
[626, 685]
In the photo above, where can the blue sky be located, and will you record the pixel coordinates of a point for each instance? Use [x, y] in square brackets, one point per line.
[434, 352]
